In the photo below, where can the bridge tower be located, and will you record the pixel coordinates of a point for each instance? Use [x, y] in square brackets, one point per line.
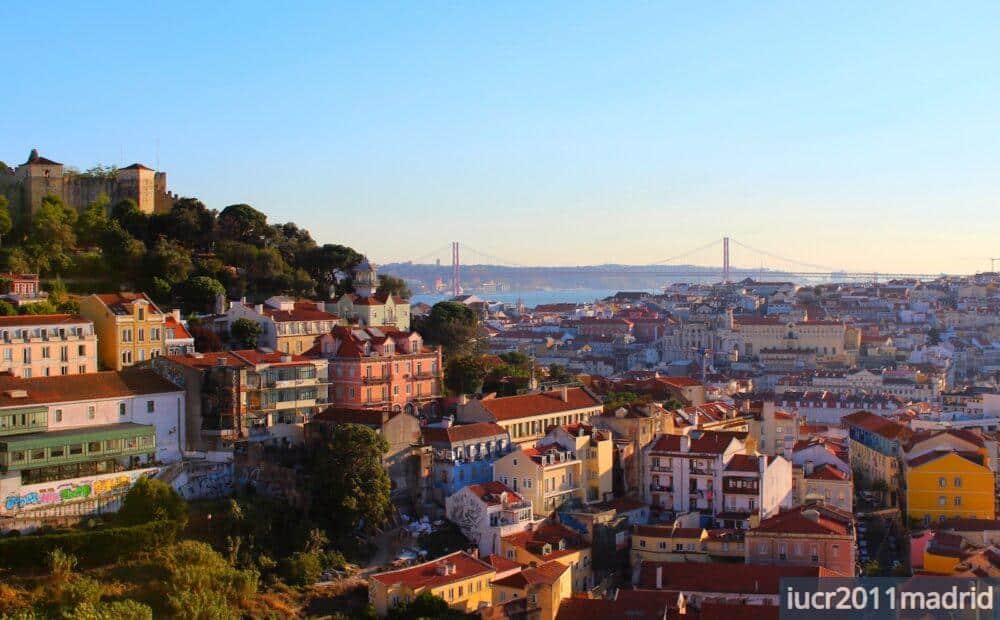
[456, 282]
[725, 260]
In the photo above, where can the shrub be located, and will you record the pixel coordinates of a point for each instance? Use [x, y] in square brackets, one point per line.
[115, 610]
[302, 568]
[152, 500]
[96, 547]
[208, 604]
[81, 590]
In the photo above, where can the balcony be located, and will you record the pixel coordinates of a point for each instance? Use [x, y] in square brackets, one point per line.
[562, 488]
[659, 487]
[377, 380]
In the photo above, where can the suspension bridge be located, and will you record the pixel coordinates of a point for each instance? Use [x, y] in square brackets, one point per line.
[770, 264]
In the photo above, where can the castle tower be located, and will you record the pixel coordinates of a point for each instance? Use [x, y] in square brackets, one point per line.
[39, 177]
[365, 278]
[138, 183]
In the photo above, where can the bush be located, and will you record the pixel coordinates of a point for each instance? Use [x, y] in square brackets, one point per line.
[187, 605]
[152, 500]
[82, 591]
[115, 610]
[96, 547]
[302, 568]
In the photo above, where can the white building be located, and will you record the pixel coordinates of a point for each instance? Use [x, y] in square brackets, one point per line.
[487, 512]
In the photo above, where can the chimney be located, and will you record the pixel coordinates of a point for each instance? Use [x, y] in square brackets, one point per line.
[761, 463]
[685, 443]
[176, 313]
[321, 306]
[286, 358]
[564, 395]
[259, 308]
[809, 468]
[659, 577]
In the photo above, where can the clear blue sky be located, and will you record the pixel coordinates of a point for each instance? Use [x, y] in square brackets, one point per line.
[860, 135]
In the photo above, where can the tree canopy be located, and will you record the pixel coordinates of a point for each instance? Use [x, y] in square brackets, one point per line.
[349, 484]
[452, 325]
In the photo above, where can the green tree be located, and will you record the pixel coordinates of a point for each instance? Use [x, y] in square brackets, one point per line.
[424, 607]
[122, 252]
[198, 293]
[7, 308]
[393, 286]
[126, 212]
[51, 238]
[243, 223]
[452, 325]
[329, 265]
[92, 223]
[465, 375]
[349, 484]
[558, 374]
[302, 568]
[246, 332]
[39, 307]
[68, 306]
[169, 260]
[152, 500]
[5, 222]
[191, 223]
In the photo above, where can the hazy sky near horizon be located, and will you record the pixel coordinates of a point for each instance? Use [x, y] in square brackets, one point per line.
[857, 135]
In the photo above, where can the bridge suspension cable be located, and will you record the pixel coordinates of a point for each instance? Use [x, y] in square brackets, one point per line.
[784, 259]
[689, 252]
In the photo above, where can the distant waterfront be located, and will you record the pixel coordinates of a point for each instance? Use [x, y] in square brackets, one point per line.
[530, 298]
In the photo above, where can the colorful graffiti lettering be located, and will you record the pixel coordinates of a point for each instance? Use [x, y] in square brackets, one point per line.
[70, 492]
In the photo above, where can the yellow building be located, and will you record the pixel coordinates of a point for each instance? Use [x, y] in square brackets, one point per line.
[527, 417]
[665, 543]
[948, 484]
[463, 581]
[552, 542]
[572, 462]
[543, 587]
[129, 326]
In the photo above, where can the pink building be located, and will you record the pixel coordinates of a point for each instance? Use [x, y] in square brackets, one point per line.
[380, 368]
[47, 345]
[810, 535]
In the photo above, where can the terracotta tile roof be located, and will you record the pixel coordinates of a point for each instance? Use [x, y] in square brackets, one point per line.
[490, 492]
[179, 331]
[826, 471]
[743, 462]
[970, 525]
[876, 424]
[631, 604]
[22, 320]
[117, 302]
[90, 386]
[366, 417]
[724, 577]
[827, 522]
[301, 311]
[923, 459]
[207, 360]
[541, 403]
[702, 442]
[551, 534]
[502, 564]
[427, 575]
[462, 432]
[547, 573]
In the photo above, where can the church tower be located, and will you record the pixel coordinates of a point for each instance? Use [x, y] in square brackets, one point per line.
[365, 278]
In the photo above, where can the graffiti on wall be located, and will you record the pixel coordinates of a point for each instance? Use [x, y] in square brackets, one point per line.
[71, 491]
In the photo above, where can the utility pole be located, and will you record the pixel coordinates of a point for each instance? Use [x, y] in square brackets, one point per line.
[456, 283]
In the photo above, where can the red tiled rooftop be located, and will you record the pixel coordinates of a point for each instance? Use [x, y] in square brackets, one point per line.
[547, 573]
[724, 577]
[90, 386]
[462, 432]
[21, 320]
[828, 522]
[702, 442]
[542, 403]
[426, 575]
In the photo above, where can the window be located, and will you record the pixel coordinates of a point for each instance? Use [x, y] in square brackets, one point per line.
[942, 482]
[642, 543]
[126, 335]
[942, 500]
[93, 447]
[958, 482]
[150, 406]
[958, 500]
[58, 415]
[46, 353]
[90, 412]
[121, 408]
[81, 350]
